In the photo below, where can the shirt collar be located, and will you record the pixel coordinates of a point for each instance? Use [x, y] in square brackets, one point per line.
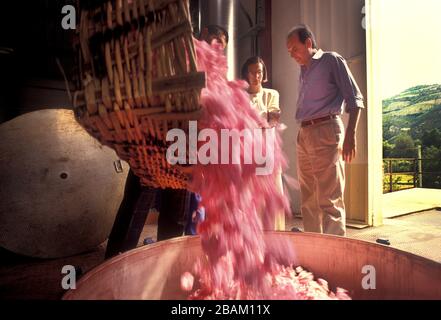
[318, 55]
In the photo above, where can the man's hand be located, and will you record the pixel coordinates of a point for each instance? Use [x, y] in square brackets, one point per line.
[350, 143]
[349, 147]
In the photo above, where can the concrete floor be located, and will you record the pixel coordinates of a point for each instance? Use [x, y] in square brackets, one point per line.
[26, 278]
[418, 233]
[400, 203]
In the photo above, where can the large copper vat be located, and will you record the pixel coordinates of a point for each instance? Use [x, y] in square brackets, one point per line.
[153, 272]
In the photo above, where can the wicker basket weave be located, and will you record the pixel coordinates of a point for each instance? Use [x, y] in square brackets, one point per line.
[139, 79]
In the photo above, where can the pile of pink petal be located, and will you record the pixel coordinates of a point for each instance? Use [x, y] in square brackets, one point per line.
[287, 284]
[240, 262]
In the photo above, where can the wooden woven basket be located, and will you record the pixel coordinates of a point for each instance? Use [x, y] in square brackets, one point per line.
[139, 78]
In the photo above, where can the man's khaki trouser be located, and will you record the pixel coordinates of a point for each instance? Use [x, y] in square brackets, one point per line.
[321, 174]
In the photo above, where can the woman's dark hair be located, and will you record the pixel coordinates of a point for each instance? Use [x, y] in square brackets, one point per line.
[304, 32]
[250, 61]
[216, 30]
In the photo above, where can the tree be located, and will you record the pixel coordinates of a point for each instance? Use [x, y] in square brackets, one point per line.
[387, 149]
[431, 138]
[432, 168]
[404, 147]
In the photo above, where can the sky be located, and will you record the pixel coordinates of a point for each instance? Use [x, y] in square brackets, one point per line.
[410, 44]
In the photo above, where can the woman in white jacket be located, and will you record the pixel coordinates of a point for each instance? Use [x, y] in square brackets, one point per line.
[266, 102]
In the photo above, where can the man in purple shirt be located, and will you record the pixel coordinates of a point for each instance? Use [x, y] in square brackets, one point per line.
[327, 89]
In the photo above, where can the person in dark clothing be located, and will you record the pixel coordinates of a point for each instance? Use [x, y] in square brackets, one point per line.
[134, 209]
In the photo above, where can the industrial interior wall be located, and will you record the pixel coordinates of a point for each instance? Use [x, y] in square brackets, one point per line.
[337, 25]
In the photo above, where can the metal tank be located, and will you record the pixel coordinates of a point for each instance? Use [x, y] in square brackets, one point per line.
[224, 13]
[244, 20]
[153, 272]
[60, 189]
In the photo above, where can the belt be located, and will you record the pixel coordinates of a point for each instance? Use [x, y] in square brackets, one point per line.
[318, 120]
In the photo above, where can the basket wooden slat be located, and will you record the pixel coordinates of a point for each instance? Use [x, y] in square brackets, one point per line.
[139, 80]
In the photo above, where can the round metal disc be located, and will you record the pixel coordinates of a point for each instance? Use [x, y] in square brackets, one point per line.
[60, 190]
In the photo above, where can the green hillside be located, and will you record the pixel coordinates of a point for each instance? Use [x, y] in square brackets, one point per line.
[414, 111]
[412, 122]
